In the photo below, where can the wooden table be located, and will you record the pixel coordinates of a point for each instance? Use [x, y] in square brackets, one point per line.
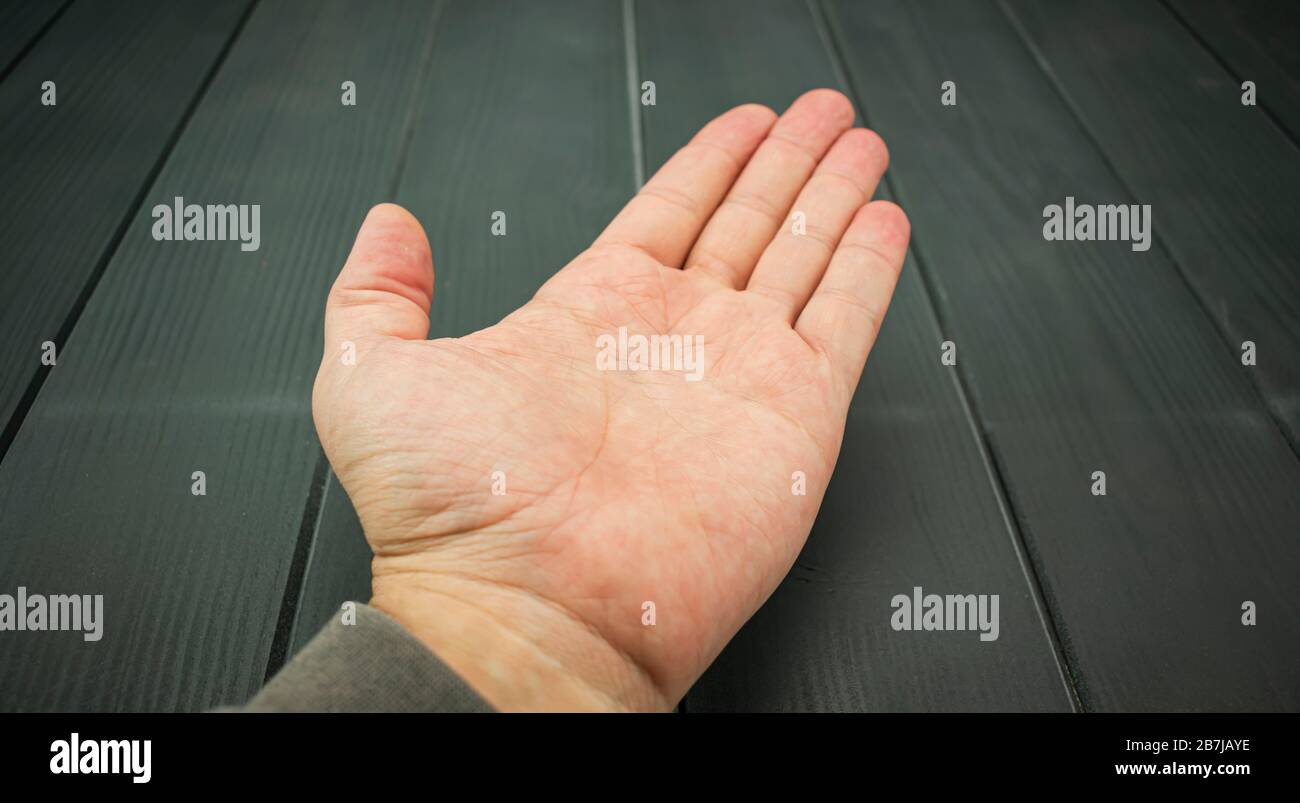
[977, 477]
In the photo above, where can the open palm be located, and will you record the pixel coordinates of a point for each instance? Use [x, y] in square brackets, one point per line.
[567, 531]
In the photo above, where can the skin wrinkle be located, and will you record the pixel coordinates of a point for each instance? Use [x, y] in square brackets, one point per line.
[576, 481]
[846, 297]
[674, 325]
[714, 147]
[828, 239]
[633, 307]
[614, 249]
[782, 298]
[812, 158]
[643, 318]
[567, 519]
[364, 298]
[703, 259]
[450, 542]
[661, 281]
[756, 203]
[859, 191]
[420, 580]
[425, 530]
[722, 365]
[423, 536]
[674, 197]
[872, 250]
[604, 438]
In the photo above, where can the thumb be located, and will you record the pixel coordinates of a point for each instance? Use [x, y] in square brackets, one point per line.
[386, 286]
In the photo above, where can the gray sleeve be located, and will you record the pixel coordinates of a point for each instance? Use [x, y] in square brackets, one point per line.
[369, 666]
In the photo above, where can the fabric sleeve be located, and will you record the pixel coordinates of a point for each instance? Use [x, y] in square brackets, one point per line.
[370, 665]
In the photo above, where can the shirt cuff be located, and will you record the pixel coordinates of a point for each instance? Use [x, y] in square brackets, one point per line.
[371, 665]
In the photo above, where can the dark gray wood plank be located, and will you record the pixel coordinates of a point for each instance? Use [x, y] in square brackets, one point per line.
[526, 112]
[337, 570]
[1220, 176]
[21, 22]
[73, 173]
[911, 502]
[1088, 357]
[198, 356]
[1257, 40]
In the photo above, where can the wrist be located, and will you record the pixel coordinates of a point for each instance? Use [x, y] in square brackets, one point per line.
[519, 651]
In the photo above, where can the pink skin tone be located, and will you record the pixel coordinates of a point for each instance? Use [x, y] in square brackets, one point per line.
[621, 487]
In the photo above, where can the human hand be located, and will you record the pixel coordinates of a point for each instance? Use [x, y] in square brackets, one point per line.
[621, 487]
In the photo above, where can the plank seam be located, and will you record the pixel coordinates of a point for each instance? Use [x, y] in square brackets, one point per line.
[1067, 658]
[36, 37]
[1011, 521]
[1053, 626]
[309, 525]
[64, 331]
[636, 119]
[1040, 58]
[302, 552]
[1223, 63]
[417, 101]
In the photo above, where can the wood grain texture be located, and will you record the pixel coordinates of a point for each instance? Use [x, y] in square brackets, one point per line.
[338, 567]
[1088, 357]
[198, 356]
[73, 172]
[1220, 176]
[1257, 40]
[911, 502]
[21, 21]
[526, 112]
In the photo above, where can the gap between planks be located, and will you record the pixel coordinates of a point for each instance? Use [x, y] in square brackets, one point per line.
[64, 331]
[1159, 242]
[323, 475]
[36, 37]
[997, 481]
[1223, 64]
